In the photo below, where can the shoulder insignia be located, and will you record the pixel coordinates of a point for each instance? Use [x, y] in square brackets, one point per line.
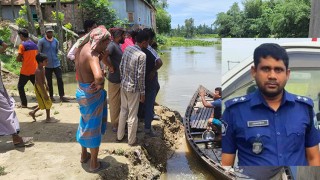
[304, 100]
[237, 100]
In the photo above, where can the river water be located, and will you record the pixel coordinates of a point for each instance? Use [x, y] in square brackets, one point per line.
[183, 70]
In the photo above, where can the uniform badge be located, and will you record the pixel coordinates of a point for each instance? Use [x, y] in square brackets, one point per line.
[257, 146]
[224, 127]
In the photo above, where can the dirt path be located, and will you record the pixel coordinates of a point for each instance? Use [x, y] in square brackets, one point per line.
[56, 154]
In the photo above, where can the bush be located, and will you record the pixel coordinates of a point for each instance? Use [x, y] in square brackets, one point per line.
[11, 64]
[5, 33]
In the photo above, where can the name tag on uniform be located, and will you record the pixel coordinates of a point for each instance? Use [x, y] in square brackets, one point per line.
[258, 123]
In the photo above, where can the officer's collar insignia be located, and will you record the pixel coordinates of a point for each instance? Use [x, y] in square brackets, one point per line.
[302, 98]
[235, 99]
[243, 98]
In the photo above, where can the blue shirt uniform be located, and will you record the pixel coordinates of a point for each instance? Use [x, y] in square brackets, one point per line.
[264, 137]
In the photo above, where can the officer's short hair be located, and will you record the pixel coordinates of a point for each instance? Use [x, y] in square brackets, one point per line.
[219, 90]
[270, 49]
[24, 32]
[142, 36]
[40, 57]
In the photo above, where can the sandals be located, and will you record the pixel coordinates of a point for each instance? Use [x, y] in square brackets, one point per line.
[102, 165]
[86, 159]
[26, 141]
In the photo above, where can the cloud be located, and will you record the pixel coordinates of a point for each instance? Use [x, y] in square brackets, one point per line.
[202, 11]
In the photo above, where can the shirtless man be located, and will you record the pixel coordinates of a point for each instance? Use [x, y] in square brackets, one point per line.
[91, 96]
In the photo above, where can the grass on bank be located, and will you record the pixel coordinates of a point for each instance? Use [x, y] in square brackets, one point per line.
[10, 63]
[181, 41]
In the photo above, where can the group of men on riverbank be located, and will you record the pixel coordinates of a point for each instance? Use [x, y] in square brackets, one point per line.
[132, 78]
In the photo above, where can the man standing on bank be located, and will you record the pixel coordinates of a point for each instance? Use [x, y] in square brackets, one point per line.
[50, 46]
[153, 63]
[91, 96]
[132, 73]
[114, 59]
[270, 127]
[27, 55]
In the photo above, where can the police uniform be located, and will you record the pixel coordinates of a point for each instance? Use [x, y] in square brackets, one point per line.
[264, 137]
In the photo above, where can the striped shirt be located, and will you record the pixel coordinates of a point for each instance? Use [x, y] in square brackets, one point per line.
[133, 69]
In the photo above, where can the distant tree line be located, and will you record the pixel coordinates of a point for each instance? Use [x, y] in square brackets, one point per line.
[189, 30]
[265, 18]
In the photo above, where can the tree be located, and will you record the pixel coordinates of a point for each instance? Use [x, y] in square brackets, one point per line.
[59, 20]
[265, 18]
[291, 19]
[163, 20]
[314, 27]
[189, 23]
[40, 18]
[100, 11]
[30, 20]
[230, 23]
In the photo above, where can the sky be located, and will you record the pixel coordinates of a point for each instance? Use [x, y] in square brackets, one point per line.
[202, 11]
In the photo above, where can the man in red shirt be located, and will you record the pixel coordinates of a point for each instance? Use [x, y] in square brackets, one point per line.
[27, 55]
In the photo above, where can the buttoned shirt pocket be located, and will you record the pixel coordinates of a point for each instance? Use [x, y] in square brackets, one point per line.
[295, 137]
[262, 134]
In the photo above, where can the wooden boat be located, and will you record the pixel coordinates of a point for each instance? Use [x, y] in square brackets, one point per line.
[208, 150]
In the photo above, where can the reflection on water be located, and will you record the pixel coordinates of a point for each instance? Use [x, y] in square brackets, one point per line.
[183, 70]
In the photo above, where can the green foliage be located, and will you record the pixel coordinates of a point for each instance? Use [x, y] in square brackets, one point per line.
[68, 26]
[121, 23]
[23, 10]
[100, 11]
[181, 41]
[189, 24]
[2, 171]
[265, 18]
[10, 63]
[5, 33]
[161, 39]
[163, 20]
[200, 30]
[21, 22]
[59, 16]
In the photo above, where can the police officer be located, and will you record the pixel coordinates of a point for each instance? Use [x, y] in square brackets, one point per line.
[270, 127]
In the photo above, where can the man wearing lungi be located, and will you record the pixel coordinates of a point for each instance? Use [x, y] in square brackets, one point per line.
[91, 95]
